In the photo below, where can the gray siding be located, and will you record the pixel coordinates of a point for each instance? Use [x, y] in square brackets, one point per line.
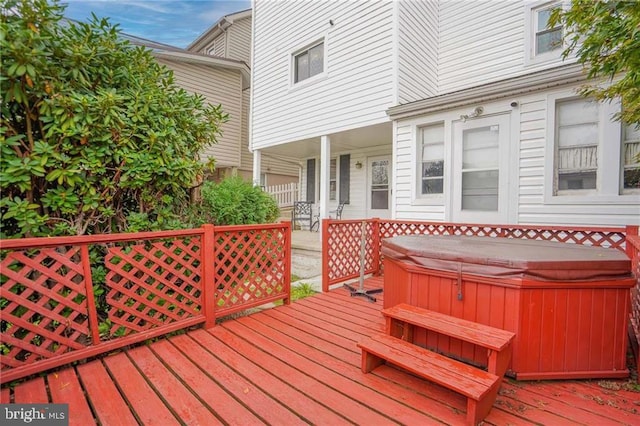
[239, 40]
[218, 86]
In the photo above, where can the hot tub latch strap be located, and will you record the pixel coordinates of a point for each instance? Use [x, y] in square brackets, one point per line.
[459, 283]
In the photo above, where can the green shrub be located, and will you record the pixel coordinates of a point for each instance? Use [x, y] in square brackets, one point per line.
[234, 201]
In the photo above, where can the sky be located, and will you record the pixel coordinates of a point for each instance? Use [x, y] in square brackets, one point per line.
[174, 22]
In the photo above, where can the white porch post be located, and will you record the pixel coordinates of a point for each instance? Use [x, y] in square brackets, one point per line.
[257, 166]
[325, 166]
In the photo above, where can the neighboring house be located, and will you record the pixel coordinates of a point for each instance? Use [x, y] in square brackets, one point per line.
[229, 40]
[444, 111]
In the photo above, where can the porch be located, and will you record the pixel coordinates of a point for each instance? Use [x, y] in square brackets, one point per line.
[296, 364]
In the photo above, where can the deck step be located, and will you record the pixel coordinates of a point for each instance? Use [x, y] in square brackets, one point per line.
[463, 378]
[479, 334]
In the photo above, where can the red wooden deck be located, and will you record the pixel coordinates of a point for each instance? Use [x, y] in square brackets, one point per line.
[296, 364]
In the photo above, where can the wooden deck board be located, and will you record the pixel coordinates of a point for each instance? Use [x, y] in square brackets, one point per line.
[142, 399]
[108, 405]
[258, 401]
[187, 407]
[278, 387]
[65, 389]
[298, 364]
[34, 390]
[317, 386]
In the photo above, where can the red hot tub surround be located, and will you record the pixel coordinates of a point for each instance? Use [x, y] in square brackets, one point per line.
[567, 304]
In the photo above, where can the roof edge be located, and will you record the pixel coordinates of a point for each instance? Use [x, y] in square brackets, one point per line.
[215, 29]
[539, 80]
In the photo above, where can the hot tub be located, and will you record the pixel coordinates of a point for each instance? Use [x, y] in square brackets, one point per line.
[567, 304]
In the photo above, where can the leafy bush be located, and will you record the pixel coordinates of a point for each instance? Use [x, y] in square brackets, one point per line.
[234, 201]
[93, 131]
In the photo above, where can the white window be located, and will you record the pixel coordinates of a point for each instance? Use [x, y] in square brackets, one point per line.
[594, 157]
[332, 179]
[577, 140]
[431, 160]
[631, 158]
[480, 173]
[543, 43]
[308, 62]
[547, 39]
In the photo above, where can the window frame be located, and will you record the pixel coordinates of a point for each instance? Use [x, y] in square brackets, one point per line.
[624, 142]
[531, 31]
[610, 163]
[305, 50]
[420, 161]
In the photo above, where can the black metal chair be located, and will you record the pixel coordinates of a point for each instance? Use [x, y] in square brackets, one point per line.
[302, 213]
[337, 212]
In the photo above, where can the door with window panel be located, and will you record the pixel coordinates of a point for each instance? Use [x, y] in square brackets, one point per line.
[379, 191]
[480, 184]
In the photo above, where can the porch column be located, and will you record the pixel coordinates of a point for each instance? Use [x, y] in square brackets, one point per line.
[325, 166]
[257, 166]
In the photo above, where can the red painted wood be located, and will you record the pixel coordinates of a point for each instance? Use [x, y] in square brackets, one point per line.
[270, 357]
[476, 333]
[547, 345]
[5, 396]
[266, 408]
[143, 400]
[91, 303]
[280, 387]
[179, 398]
[108, 405]
[327, 355]
[209, 392]
[301, 357]
[207, 267]
[32, 391]
[65, 389]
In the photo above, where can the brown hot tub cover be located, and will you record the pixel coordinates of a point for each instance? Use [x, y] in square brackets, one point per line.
[507, 257]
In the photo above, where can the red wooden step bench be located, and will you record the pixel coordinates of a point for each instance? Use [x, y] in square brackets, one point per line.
[401, 320]
[478, 386]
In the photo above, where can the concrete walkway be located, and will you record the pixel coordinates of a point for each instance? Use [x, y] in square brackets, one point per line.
[306, 258]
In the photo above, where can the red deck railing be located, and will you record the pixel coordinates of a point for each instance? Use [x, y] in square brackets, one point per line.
[341, 242]
[633, 250]
[67, 298]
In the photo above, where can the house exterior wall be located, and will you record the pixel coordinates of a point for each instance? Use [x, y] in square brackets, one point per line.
[530, 187]
[238, 42]
[218, 86]
[356, 86]
[417, 52]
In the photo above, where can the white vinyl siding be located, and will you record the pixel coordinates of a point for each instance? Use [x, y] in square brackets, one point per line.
[218, 86]
[480, 42]
[357, 86]
[533, 163]
[417, 50]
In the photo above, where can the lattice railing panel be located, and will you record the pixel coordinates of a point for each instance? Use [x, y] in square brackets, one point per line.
[634, 251]
[43, 305]
[152, 284]
[344, 243]
[250, 265]
[341, 248]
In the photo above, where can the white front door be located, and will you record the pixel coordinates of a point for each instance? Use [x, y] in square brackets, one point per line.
[379, 187]
[480, 170]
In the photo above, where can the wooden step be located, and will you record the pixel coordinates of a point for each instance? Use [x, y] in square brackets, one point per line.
[478, 386]
[402, 318]
[469, 331]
